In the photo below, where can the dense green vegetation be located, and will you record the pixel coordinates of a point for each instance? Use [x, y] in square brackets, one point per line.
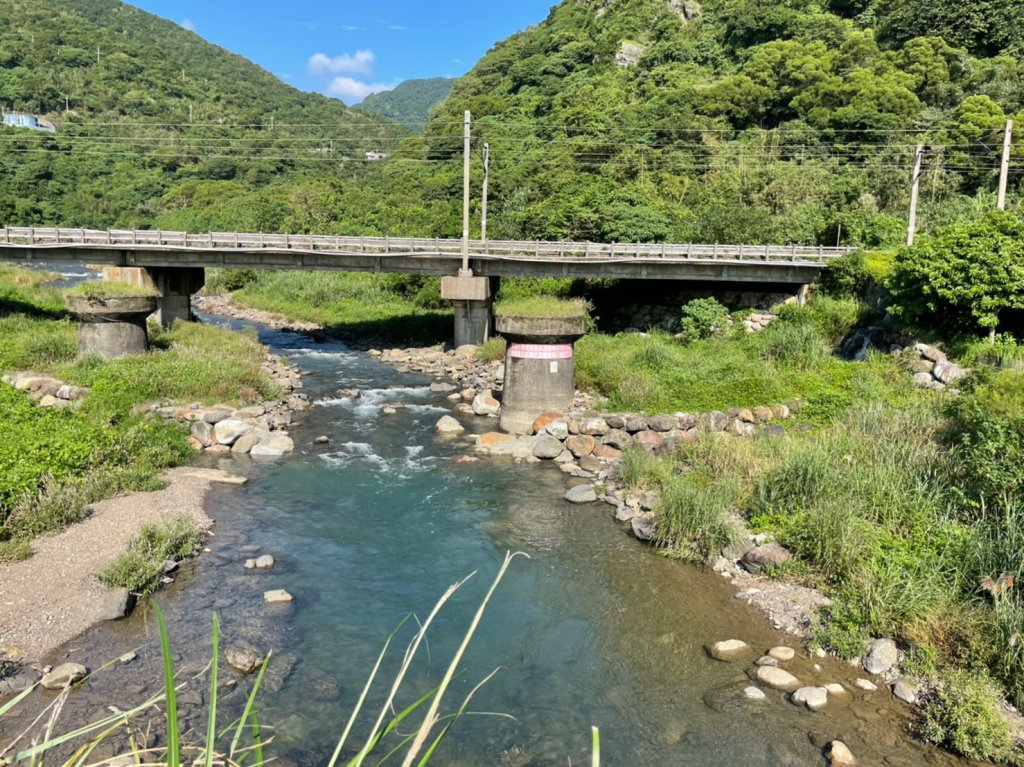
[140, 568]
[152, 120]
[54, 462]
[410, 103]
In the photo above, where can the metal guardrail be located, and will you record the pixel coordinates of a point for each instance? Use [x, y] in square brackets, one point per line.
[52, 237]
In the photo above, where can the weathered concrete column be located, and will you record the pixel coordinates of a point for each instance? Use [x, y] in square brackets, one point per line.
[472, 299]
[174, 284]
[112, 327]
[540, 373]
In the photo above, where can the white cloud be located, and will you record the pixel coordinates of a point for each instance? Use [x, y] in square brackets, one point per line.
[361, 63]
[353, 91]
[350, 28]
[397, 27]
[189, 25]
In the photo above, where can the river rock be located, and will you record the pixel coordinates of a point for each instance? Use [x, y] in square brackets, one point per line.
[649, 440]
[323, 439]
[546, 447]
[485, 404]
[581, 445]
[866, 685]
[581, 494]
[766, 555]
[781, 412]
[541, 421]
[594, 427]
[662, 423]
[839, 755]
[815, 698]
[243, 658]
[882, 656]
[635, 423]
[776, 678]
[591, 463]
[203, 432]
[617, 438]
[930, 352]
[17, 681]
[728, 650]
[227, 432]
[835, 689]
[644, 526]
[947, 372]
[449, 426]
[244, 444]
[63, 675]
[117, 603]
[558, 429]
[349, 394]
[277, 596]
[607, 453]
[782, 653]
[766, 660]
[903, 690]
[273, 446]
[754, 693]
[441, 387]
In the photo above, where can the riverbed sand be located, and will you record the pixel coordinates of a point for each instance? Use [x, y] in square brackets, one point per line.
[51, 598]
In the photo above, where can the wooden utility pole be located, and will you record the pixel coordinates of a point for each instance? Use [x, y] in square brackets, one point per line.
[1004, 168]
[467, 137]
[487, 176]
[914, 192]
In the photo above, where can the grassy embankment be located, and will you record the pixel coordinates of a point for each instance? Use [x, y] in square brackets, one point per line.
[54, 462]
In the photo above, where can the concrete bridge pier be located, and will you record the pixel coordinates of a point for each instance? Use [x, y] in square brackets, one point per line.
[540, 373]
[472, 298]
[174, 284]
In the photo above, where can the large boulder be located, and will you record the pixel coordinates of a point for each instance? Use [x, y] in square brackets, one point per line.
[594, 427]
[485, 404]
[767, 555]
[618, 439]
[662, 423]
[448, 426]
[581, 445]
[882, 656]
[228, 431]
[814, 698]
[729, 649]
[203, 432]
[581, 494]
[546, 447]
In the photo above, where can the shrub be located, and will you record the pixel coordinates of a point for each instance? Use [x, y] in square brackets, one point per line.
[963, 715]
[795, 343]
[139, 568]
[964, 277]
[702, 318]
[230, 280]
[696, 516]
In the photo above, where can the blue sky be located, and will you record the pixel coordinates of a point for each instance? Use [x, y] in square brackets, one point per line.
[347, 49]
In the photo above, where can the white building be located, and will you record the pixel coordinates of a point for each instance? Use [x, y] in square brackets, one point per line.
[31, 122]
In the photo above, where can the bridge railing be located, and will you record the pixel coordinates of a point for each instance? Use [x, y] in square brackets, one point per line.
[43, 237]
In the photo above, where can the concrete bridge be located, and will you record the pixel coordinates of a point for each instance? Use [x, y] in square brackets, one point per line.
[173, 262]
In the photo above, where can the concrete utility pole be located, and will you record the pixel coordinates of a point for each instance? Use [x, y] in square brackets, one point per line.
[467, 136]
[1004, 168]
[487, 176]
[914, 192]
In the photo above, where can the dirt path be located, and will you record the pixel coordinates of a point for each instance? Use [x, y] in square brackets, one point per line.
[54, 596]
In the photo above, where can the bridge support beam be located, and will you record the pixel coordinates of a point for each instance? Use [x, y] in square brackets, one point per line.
[472, 298]
[174, 284]
[540, 372]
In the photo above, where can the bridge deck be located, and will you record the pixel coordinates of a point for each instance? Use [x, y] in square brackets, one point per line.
[793, 264]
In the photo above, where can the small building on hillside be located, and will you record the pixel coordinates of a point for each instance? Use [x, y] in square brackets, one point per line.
[30, 122]
[373, 156]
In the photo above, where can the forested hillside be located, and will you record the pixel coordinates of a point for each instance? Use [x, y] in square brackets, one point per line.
[790, 121]
[151, 118]
[411, 102]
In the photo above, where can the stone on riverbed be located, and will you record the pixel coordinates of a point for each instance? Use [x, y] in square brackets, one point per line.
[754, 693]
[866, 685]
[265, 562]
[903, 690]
[63, 675]
[117, 603]
[766, 555]
[644, 526]
[227, 432]
[839, 755]
[581, 494]
[243, 658]
[728, 650]
[882, 655]
[203, 432]
[485, 404]
[782, 653]
[815, 698]
[546, 447]
[244, 444]
[776, 678]
[277, 596]
[449, 426]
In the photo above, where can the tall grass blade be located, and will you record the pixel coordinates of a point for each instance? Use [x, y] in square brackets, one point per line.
[595, 760]
[249, 704]
[170, 693]
[454, 718]
[257, 738]
[431, 718]
[211, 725]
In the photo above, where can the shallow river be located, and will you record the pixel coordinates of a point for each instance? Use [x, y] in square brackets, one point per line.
[594, 629]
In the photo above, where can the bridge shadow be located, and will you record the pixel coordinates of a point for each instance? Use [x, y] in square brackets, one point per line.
[402, 330]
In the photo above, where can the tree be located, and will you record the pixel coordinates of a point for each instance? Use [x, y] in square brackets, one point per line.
[963, 277]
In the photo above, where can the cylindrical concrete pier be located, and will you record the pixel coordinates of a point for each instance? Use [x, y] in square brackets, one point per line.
[112, 327]
[540, 374]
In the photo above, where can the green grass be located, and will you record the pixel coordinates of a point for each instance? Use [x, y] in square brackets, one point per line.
[963, 715]
[99, 289]
[541, 306]
[395, 307]
[55, 462]
[140, 567]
